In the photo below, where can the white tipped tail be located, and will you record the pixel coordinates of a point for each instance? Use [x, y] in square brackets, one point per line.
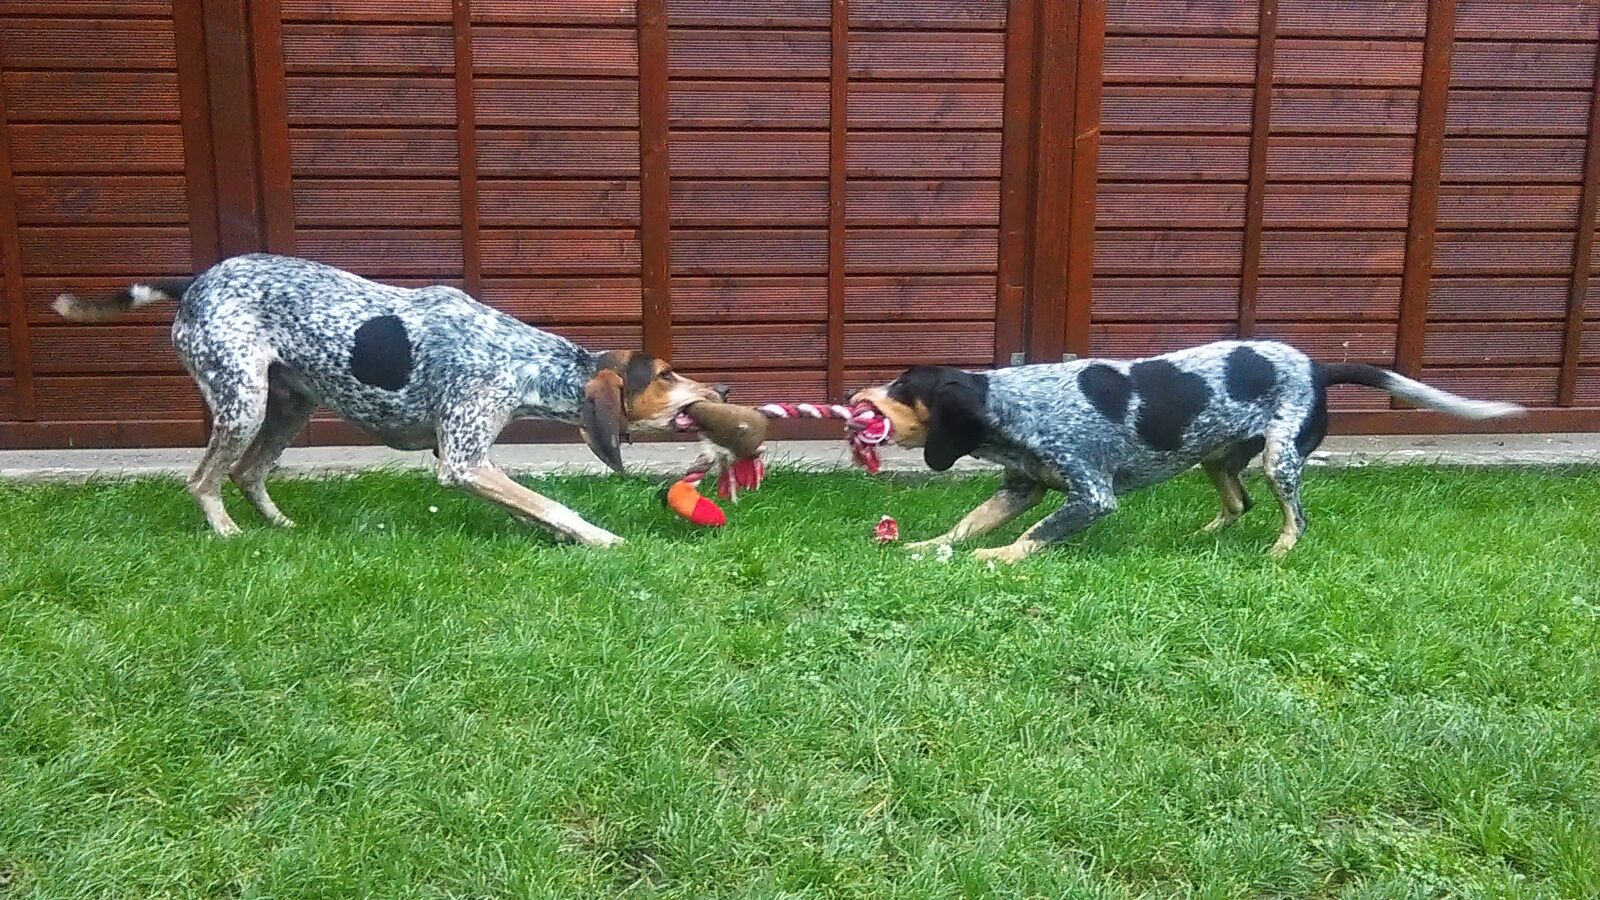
[1417, 392]
[101, 309]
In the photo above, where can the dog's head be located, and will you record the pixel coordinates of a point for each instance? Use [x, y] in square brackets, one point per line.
[937, 408]
[633, 391]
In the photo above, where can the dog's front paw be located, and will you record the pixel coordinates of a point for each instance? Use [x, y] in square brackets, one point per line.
[930, 544]
[1010, 553]
[600, 539]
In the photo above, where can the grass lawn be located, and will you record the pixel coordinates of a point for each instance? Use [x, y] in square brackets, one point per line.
[413, 696]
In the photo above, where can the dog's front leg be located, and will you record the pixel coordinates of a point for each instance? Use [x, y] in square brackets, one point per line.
[488, 482]
[1087, 502]
[1016, 496]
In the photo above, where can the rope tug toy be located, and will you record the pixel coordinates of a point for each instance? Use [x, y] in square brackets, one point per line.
[734, 441]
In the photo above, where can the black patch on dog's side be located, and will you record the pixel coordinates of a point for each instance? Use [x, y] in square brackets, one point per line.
[1170, 399]
[381, 354]
[1249, 375]
[1108, 389]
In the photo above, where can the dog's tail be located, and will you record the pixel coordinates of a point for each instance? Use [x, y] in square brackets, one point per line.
[1415, 391]
[101, 309]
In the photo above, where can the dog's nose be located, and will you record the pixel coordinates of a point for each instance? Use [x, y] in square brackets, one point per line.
[722, 390]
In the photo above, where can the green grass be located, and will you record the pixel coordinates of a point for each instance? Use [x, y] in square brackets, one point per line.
[393, 701]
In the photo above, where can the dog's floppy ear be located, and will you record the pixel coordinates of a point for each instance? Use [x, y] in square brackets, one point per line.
[604, 419]
[955, 420]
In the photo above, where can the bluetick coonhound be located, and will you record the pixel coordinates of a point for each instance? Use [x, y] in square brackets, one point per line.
[269, 338]
[1096, 429]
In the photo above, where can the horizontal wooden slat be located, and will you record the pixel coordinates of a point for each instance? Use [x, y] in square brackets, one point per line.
[82, 43]
[1513, 160]
[1507, 206]
[89, 8]
[539, 153]
[755, 387]
[919, 298]
[1119, 298]
[1548, 19]
[1371, 342]
[557, 103]
[1126, 108]
[65, 349]
[1347, 63]
[143, 397]
[913, 55]
[374, 100]
[1135, 341]
[922, 202]
[741, 154]
[1366, 18]
[742, 13]
[750, 346]
[961, 154]
[909, 343]
[1497, 253]
[609, 299]
[1235, 17]
[384, 253]
[1502, 112]
[1588, 392]
[367, 202]
[1528, 385]
[1332, 252]
[101, 199]
[371, 152]
[1492, 343]
[368, 49]
[723, 104]
[1339, 299]
[698, 53]
[512, 50]
[1170, 205]
[1336, 206]
[1146, 59]
[1143, 157]
[929, 14]
[1339, 158]
[1487, 299]
[96, 148]
[695, 202]
[601, 338]
[6, 366]
[749, 251]
[555, 12]
[559, 251]
[103, 250]
[8, 397]
[366, 10]
[1167, 252]
[894, 250]
[742, 298]
[544, 203]
[1344, 111]
[930, 105]
[98, 97]
[1502, 64]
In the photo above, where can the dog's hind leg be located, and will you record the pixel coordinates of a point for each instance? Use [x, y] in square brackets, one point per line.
[288, 411]
[237, 396]
[1284, 463]
[1224, 472]
[1016, 496]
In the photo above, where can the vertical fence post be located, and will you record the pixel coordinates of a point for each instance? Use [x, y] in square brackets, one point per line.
[1582, 251]
[467, 150]
[1427, 161]
[11, 259]
[1016, 181]
[838, 127]
[1091, 59]
[1256, 190]
[655, 217]
[1055, 58]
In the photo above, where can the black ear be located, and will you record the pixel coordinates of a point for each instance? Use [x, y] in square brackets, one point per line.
[955, 420]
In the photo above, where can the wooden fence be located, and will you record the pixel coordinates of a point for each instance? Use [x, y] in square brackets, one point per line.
[801, 196]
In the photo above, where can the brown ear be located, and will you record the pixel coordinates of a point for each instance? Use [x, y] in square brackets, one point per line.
[604, 421]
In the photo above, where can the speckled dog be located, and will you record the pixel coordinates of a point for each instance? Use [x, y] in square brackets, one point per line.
[268, 338]
[1096, 429]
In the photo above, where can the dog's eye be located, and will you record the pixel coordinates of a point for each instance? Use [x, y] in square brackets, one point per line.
[667, 375]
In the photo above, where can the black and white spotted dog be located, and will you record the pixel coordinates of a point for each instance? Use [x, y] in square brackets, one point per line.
[1095, 429]
[268, 338]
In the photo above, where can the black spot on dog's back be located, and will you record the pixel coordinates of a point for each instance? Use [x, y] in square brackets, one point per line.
[1170, 399]
[1249, 375]
[381, 354]
[1108, 389]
